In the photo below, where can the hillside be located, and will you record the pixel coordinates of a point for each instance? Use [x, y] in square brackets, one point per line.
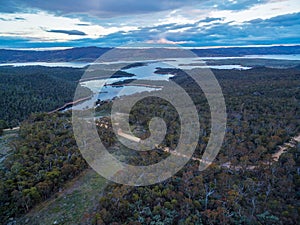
[90, 54]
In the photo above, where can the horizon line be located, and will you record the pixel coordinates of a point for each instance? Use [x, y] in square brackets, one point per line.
[149, 47]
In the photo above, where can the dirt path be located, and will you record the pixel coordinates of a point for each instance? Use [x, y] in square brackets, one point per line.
[283, 148]
[69, 104]
[129, 137]
[12, 129]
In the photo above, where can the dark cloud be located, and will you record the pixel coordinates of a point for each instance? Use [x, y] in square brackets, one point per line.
[69, 32]
[277, 30]
[83, 24]
[101, 8]
[19, 18]
[12, 42]
[210, 19]
[283, 20]
[16, 18]
[110, 8]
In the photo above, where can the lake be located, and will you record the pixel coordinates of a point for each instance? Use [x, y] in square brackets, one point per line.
[174, 60]
[145, 72]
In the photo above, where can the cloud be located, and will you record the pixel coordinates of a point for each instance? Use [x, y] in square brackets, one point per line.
[19, 18]
[210, 19]
[111, 8]
[69, 32]
[165, 41]
[49, 27]
[277, 30]
[13, 42]
[283, 20]
[83, 24]
[12, 19]
[187, 23]
[101, 8]
[259, 11]
[237, 4]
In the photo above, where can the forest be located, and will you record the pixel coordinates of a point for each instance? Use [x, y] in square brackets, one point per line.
[25, 90]
[29, 89]
[263, 113]
[45, 156]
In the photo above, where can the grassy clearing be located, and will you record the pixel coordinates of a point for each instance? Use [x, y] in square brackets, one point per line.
[5, 140]
[74, 205]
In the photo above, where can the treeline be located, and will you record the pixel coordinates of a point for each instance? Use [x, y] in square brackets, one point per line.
[86, 54]
[29, 89]
[90, 54]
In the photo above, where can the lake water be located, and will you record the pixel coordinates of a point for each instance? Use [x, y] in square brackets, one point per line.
[145, 72]
[108, 92]
[172, 61]
[278, 57]
[49, 64]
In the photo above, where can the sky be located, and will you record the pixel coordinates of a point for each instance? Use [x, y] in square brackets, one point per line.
[116, 23]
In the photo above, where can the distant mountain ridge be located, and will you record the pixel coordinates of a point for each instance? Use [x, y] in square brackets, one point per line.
[90, 54]
[87, 54]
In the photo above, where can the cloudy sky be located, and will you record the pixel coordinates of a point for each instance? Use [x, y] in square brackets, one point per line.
[108, 23]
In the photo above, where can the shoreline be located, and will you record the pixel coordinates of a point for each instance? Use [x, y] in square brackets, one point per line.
[70, 104]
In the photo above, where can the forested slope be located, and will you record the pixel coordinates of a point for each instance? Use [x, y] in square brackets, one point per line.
[29, 89]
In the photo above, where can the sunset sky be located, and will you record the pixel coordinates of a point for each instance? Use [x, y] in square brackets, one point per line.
[189, 23]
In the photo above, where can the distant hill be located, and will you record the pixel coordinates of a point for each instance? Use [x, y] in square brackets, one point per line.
[90, 54]
[87, 54]
[241, 51]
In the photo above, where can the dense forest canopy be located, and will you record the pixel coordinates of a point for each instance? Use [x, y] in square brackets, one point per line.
[263, 113]
[29, 89]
